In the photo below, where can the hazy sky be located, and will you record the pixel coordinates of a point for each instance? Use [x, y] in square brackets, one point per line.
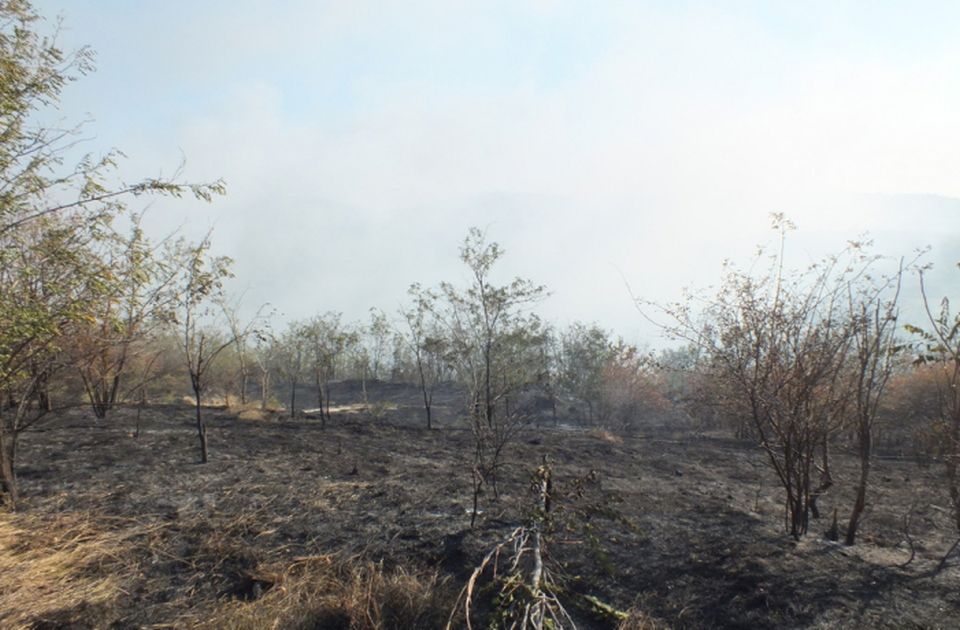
[359, 140]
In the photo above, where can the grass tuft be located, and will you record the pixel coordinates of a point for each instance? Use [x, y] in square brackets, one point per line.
[57, 572]
[332, 592]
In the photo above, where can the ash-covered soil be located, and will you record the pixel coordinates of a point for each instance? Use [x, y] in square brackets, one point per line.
[686, 527]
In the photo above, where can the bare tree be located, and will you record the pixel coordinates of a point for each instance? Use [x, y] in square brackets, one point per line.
[240, 331]
[941, 340]
[780, 342]
[873, 311]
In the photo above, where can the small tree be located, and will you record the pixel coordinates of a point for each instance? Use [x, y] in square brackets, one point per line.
[240, 331]
[367, 347]
[376, 337]
[941, 349]
[266, 358]
[289, 354]
[327, 339]
[496, 344]
[136, 302]
[200, 285]
[873, 311]
[424, 338]
[584, 353]
[48, 285]
[779, 342]
[629, 389]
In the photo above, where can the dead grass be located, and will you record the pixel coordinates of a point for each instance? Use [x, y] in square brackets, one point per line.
[605, 435]
[637, 620]
[332, 592]
[58, 571]
[252, 413]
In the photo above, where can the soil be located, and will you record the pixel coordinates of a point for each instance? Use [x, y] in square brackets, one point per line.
[685, 526]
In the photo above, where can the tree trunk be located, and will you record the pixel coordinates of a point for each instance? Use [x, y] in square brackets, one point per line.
[318, 380]
[244, 377]
[8, 478]
[859, 504]
[293, 399]
[201, 428]
[952, 461]
[264, 389]
[136, 433]
[363, 387]
[320, 400]
[477, 485]
[326, 416]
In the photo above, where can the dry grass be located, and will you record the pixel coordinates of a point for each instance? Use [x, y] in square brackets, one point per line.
[252, 413]
[331, 592]
[605, 435]
[637, 620]
[57, 572]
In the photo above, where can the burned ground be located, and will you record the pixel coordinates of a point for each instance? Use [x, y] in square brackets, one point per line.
[683, 526]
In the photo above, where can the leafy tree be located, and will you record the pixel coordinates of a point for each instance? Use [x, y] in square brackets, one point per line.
[53, 215]
[266, 357]
[50, 279]
[430, 349]
[583, 356]
[629, 389]
[288, 353]
[496, 345]
[327, 339]
[200, 286]
[367, 347]
[240, 331]
[376, 338]
[137, 300]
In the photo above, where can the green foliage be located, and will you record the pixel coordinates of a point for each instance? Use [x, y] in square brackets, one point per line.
[56, 218]
[583, 353]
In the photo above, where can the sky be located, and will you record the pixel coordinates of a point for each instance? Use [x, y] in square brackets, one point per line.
[604, 145]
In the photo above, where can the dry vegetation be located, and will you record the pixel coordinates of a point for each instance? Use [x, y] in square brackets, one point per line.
[68, 567]
[365, 524]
